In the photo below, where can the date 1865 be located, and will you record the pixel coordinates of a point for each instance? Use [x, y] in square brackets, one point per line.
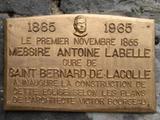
[41, 27]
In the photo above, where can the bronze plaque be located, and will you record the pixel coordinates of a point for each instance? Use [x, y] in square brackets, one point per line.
[80, 63]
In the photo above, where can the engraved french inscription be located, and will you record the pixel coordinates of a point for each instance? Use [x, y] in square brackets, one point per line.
[80, 62]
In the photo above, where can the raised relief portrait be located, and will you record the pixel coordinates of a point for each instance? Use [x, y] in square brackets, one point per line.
[80, 26]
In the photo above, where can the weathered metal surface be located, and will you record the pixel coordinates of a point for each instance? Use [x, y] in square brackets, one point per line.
[80, 63]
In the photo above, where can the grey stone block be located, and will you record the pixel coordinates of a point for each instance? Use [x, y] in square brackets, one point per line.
[45, 116]
[138, 8]
[2, 18]
[71, 6]
[26, 7]
[124, 116]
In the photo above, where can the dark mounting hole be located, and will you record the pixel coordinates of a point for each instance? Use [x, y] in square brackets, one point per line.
[11, 14]
[156, 40]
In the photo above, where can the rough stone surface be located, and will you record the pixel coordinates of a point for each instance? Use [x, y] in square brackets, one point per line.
[2, 18]
[45, 116]
[123, 116]
[157, 64]
[26, 7]
[138, 8]
[133, 8]
[55, 7]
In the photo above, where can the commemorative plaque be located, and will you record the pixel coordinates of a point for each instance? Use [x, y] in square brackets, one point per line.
[80, 62]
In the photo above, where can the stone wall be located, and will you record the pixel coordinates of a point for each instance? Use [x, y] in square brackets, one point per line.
[132, 8]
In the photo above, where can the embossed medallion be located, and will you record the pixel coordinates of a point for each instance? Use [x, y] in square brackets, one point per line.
[80, 63]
